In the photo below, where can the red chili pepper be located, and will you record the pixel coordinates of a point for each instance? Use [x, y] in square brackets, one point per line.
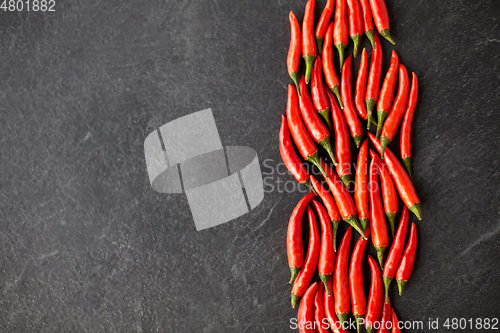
[389, 194]
[305, 315]
[397, 110]
[349, 108]
[314, 125]
[385, 322]
[373, 85]
[326, 261]
[309, 51]
[319, 310]
[380, 237]
[407, 260]
[395, 323]
[381, 18]
[367, 20]
[340, 282]
[306, 273]
[360, 186]
[319, 97]
[376, 296]
[355, 23]
[328, 67]
[340, 30]
[323, 22]
[302, 139]
[330, 314]
[401, 179]
[360, 91]
[342, 143]
[392, 262]
[405, 141]
[294, 247]
[387, 91]
[356, 287]
[293, 59]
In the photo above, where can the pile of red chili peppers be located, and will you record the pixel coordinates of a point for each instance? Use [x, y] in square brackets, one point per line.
[322, 111]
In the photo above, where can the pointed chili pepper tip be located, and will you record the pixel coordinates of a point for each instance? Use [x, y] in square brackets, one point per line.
[341, 47]
[294, 270]
[319, 41]
[416, 209]
[401, 285]
[359, 321]
[295, 78]
[370, 35]
[380, 255]
[309, 59]
[342, 317]
[392, 218]
[295, 299]
[356, 39]
[357, 140]
[381, 118]
[353, 221]
[326, 115]
[384, 141]
[407, 164]
[325, 143]
[325, 278]
[335, 226]
[345, 179]
[387, 284]
[315, 160]
[364, 222]
[386, 33]
[336, 91]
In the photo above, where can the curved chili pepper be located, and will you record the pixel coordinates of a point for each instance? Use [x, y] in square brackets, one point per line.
[346, 206]
[401, 179]
[294, 247]
[305, 314]
[387, 91]
[340, 30]
[300, 136]
[389, 194]
[342, 143]
[293, 59]
[395, 323]
[328, 67]
[306, 273]
[376, 296]
[330, 314]
[381, 18]
[397, 110]
[385, 319]
[323, 22]
[407, 260]
[380, 238]
[309, 51]
[398, 245]
[349, 108]
[340, 282]
[326, 261]
[319, 309]
[314, 125]
[356, 287]
[319, 97]
[373, 85]
[360, 91]
[367, 20]
[355, 23]
[360, 186]
[405, 140]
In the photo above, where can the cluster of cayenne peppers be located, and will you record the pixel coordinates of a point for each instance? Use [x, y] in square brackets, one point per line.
[323, 112]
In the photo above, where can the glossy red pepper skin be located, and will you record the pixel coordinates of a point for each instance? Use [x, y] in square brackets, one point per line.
[380, 237]
[305, 314]
[340, 282]
[381, 18]
[407, 260]
[387, 91]
[395, 253]
[326, 260]
[373, 85]
[306, 273]
[389, 194]
[340, 29]
[361, 186]
[309, 51]
[405, 140]
[385, 318]
[360, 92]
[401, 179]
[294, 247]
[367, 20]
[300, 136]
[293, 59]
[319, 310]
[349, 109]
[318, 93]
[330, 314]
[376, 296]
[323, 22]
[355, 18]
[395, 323]
[331, 77]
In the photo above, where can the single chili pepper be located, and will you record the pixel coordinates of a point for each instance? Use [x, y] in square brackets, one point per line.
[294, 247]
[340, 30]
[326, 260]
[392, 262]
[361, 187]
[293, 59]
[381, 18]
[323, 22]
[319, 310]
[385, 319]
[319, 97]
[356, 287]
[407, 260]
[305, 314]
[401, 179]
[314, 125]
[389, 194]
[380, 238]
[355, 17]
[376, 296]
[342, 142]
[309, 51]
[405, 141]
[360, 91]
[331, 207]
[387, 91]
[340, 282]
[395, 323]
[328, 67]
[330, 314]
[349, 108]
[300, 136]
[306, 273]
[397, 110]
[373, 85]
[367, 20]
[346, 206]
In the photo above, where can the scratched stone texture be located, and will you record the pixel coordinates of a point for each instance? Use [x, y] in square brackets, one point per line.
[87, 246]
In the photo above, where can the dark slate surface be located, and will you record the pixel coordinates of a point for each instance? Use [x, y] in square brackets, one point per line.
[87, 246]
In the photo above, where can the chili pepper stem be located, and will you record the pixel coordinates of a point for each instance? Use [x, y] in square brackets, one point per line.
[359, 320]
[309, 59]
[381, 118]
[370, 104]
[335, 226]
[307, 183]
[416, 209]
[294, 270]
[325, 278]
[345, 179]
[407, 164]
[341, 47]
[384, 141]
[401, 285]
[315, 160]
[369, 329]
[326, 115]
[357, 140]
[295, 299]
[392, 218]
[295, 78]
[380, 255]
[356, 39]
[353, 221]
[364, 222]
[342, 317]
[319, 41]
[386, 33]
[369, 34]
[325, 143]
[336, 91]
[387, 284]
